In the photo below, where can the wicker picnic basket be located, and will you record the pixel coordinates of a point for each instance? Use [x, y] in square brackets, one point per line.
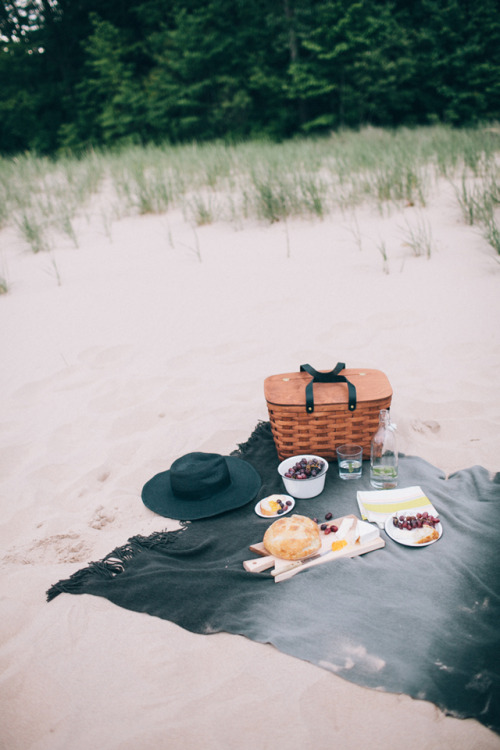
[315, 411]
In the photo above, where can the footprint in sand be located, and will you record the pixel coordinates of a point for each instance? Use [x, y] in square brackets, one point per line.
[430, 425]
[59, 548]
[89, 483]
[101, 518]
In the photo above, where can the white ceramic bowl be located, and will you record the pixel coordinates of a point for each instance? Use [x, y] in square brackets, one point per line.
[303, 488]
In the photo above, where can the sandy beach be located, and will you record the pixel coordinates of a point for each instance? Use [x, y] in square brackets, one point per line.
[130, 350]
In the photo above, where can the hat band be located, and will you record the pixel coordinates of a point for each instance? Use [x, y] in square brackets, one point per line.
[202, 493]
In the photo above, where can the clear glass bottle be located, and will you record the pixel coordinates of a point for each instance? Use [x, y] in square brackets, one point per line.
[384, 454]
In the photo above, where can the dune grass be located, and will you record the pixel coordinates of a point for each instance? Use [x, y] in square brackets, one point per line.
[271, 182]
[419, 236]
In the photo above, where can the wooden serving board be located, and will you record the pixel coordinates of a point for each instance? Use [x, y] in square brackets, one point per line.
[283, 569]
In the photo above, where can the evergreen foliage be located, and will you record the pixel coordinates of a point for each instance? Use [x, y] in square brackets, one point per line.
[79, 74]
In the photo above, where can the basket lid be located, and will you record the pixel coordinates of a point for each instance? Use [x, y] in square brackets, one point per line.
[289, 389]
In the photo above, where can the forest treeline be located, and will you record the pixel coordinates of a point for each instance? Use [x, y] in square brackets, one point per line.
[81, 73]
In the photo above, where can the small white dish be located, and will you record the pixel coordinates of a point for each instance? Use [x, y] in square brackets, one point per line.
[276, 515]
[398, 534]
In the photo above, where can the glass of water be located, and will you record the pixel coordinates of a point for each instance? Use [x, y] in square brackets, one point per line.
[350, 458]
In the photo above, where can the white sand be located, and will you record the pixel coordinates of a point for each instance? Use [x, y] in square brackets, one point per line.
[144, 353]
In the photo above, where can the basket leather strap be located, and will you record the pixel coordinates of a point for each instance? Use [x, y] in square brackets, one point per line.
[327, 377]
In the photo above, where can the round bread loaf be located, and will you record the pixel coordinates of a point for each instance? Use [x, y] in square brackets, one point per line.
[292, 538]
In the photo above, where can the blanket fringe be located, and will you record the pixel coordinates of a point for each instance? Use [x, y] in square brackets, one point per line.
[114, 563]
[261, 432]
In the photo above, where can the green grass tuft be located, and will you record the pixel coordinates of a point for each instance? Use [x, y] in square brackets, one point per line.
[310, 177]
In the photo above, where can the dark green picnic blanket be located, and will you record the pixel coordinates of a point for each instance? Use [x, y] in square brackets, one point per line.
[420, 621]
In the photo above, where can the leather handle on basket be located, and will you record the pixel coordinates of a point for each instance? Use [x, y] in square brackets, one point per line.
[327, 377]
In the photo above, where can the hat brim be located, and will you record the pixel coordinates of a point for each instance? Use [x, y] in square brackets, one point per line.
[245, 483]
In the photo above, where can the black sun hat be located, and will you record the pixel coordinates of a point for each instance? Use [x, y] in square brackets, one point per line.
[200, 485]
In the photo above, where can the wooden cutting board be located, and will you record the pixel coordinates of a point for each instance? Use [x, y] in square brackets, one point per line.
[284, 569]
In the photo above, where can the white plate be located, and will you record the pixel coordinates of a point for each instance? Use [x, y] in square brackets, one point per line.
[391, 529]
[276, 515]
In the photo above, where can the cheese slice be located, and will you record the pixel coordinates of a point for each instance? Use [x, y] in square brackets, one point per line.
[354, 531]
[338, 545]
[347, 531]
[367, 532]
